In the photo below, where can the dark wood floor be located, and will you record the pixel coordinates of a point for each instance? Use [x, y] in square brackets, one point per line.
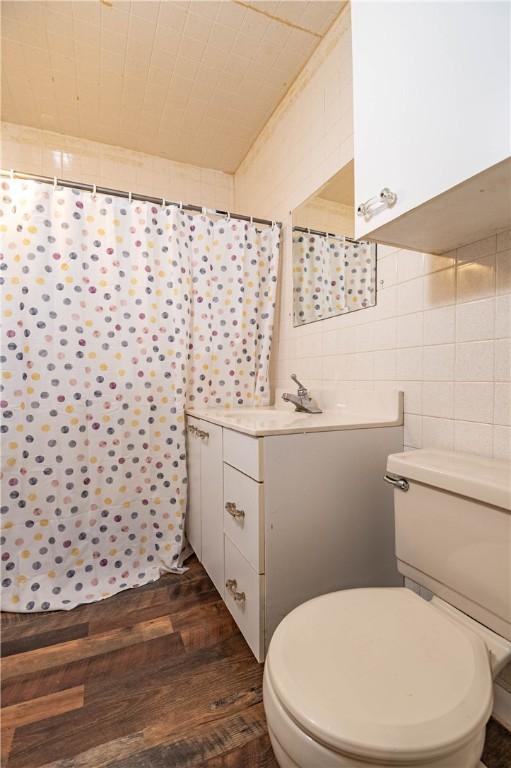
[156, 677]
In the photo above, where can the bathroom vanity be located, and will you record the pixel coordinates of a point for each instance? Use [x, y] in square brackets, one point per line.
[284, 506]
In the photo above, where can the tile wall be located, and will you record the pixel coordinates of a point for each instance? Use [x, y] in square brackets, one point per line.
[53, 154]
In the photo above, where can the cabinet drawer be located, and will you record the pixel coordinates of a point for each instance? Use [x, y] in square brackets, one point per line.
[244, 453]
[244, 597]
[244, 515]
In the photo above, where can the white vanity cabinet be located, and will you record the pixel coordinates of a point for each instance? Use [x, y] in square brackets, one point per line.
[294, 515]
[204, 525]
[431, 92]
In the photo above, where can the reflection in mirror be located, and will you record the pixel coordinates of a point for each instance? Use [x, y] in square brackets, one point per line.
[332, 273]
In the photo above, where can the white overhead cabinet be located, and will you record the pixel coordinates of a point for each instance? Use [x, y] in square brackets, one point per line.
[432, 132]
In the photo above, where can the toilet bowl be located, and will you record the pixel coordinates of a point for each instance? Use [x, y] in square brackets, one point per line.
[381, 677]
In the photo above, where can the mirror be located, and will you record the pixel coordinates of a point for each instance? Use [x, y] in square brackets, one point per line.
[332, 273]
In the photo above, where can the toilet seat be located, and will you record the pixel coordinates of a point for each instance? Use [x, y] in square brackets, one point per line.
[380, 674]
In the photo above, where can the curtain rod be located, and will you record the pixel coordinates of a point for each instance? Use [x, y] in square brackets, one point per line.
[133, 196]
[309, 231]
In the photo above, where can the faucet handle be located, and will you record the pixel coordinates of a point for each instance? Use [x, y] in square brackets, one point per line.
[299, 383]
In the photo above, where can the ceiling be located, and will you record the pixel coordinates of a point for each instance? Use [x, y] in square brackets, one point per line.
[341, 187]
[190, 81]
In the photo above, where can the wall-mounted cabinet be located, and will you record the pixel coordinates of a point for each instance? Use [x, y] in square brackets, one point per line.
[432, 122]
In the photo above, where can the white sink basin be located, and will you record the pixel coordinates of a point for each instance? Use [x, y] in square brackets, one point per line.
[355, 413]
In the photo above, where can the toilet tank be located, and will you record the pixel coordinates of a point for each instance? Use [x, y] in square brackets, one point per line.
[453, 530]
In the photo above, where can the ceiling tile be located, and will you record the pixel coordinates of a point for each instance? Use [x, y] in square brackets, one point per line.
[190, 81]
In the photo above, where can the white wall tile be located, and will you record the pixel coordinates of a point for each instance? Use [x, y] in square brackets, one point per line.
[437, 433]
[439, 325]
[477, 250]
[471, 437]
[43, 152]
[438, 362]
[438, 399]
[387, 269]
[410, 330]
[410, 264]
[413, 431]
[440, 288]
[384, 336]
[473, 401]
[385, 365]
[409, 364]
[412, 395]
[503, 360]
[503, 316]
[502, 442]
[474, 361]
[502, 406]
[503, 276]
[476, 279]
[410, 297]
[475, 320]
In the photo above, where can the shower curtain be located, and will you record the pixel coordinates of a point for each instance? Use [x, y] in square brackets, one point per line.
[332, 275]
[115, 315]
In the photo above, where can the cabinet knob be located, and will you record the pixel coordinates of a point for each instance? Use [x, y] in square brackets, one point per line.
[202, 434]
[192, 429]
[231, 586]
[386, 199]
[232, 509]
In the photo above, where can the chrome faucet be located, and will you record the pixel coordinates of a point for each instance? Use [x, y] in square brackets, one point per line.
[301, 400]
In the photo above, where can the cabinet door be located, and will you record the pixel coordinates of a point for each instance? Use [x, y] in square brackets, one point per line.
[212, 497]
[193, 517]
[431, 97]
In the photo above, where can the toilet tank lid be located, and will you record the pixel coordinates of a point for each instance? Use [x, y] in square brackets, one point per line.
[477, 477]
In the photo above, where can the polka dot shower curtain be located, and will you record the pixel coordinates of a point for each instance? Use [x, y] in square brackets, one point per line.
[331, 275]
[114, 314]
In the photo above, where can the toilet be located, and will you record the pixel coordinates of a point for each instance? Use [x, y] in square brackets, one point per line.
[383, 677]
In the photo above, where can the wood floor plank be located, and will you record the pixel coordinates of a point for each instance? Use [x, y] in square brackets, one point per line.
[113, 606]
[209, 694]
[145, 656]
[195, 746]
[41, 708]
[6, 737]
[103, 755]
[163, 603]
[256, 753]
[43, 639]
[73, 650]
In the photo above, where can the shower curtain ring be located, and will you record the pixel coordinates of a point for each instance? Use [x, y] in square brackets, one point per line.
[180, 205]
[163, 202]
[54, 182]
[11, 174]
[93, 191]
[129, 197]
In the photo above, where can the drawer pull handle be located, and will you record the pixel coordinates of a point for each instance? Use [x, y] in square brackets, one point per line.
[231, 508]
[203, 435]
[192, 429]
[231, 586]
[386, 199]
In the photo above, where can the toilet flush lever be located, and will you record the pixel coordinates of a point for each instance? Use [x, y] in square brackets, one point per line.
[397, 482]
